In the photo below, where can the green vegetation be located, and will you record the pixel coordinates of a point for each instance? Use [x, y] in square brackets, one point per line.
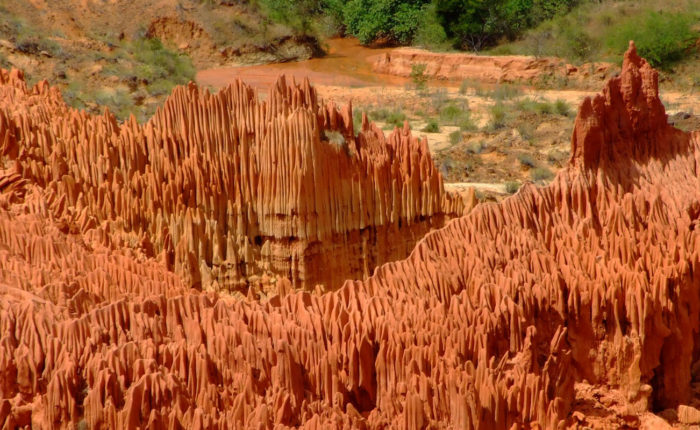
[435, 24]
[505, 92]
[476, 147]
[512, 187]
[543, 107]
[431, 127]
[498, 116]
[526, 160]
[541, 174]
[147, 61]
[601, 30]
[455, 137]
[418, 76]
[661, 38]
[392, 118]
[389, 20]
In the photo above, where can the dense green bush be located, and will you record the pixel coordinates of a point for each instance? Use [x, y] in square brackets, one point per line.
[661, 38]
[393, 20]
[431, 126]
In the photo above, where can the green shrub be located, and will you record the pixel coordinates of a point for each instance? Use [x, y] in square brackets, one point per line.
[466, 124]
[430, 34]
[661, 38]
[544, 108]
[505, 92]
[526, 160]
[498, 116]
[418, 76]
[512, 187]
[541, 174]
[392, 118]
[526, 131]
[431, 127]
[476, 147]
[455, 137]
[395, 20]
[562, 107]
[450, 114]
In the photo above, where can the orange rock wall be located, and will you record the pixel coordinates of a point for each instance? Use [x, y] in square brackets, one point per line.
[484, 68]
[223, 187]
[486, 325]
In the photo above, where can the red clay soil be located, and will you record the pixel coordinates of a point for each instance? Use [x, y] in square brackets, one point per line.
[501, 319]
[485, 68]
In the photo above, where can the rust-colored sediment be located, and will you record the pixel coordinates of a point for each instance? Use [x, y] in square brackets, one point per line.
[488, 323]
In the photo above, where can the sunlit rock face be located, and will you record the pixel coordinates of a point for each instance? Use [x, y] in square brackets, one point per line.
[488, 323]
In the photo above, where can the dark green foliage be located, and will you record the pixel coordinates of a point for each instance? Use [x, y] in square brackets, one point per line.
[393, 20]
[475, 24]
[431, 127]
[661, 38]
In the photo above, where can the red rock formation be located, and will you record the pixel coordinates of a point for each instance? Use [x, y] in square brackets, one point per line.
[487, 324]
[485, 68]
[223, 187]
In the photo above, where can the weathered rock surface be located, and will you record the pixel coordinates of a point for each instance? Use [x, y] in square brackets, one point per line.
[487, 324]
[485, 68]
[224, 187]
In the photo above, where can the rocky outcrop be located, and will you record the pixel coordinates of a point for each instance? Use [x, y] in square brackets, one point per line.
[485, 68]
[224, 187]
[487, 324]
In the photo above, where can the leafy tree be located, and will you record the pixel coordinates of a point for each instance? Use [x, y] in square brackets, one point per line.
[661, 38]
[395, 20]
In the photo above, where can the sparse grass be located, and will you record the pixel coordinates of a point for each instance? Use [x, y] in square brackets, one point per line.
[475, 84]
[505, 92]
[455, 137]
[543, 107]
[526, 160]
[541, 174]
[431, 127]
[391, 118]
[498, 116]
[526, 131]
[562, 107]
[512, 187]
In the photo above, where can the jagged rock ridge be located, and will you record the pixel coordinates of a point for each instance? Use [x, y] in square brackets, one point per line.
[224, 187]
[488, 323]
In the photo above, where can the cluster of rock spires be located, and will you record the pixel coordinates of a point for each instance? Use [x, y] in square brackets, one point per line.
[225, 187]
[488, 323]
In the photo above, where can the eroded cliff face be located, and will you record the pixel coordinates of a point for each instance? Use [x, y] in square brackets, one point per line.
[488, 323]
[225, 187]
[485, 68]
